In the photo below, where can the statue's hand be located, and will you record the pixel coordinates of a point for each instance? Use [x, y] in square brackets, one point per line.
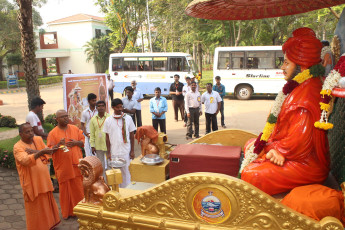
[275, 157]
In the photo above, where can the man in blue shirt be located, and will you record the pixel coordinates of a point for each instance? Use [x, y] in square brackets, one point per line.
[221, 90]
[158, 107]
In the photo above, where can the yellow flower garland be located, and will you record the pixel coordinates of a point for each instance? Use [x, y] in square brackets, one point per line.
[324, 106]
[301, 77]
[326, 92]
[324, 126]
[266, 133]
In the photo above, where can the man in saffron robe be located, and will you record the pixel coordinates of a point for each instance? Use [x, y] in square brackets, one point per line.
[296, 153]
[69, 139]
[31, 157]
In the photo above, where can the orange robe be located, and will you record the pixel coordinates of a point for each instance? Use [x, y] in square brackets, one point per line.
[40, 207]
[316, 201]
[66, 168]
[304, 147]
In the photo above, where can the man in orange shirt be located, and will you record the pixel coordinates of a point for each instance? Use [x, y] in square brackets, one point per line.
[31, 156]
[70, 139]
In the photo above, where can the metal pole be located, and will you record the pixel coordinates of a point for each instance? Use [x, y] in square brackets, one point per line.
[148, 19]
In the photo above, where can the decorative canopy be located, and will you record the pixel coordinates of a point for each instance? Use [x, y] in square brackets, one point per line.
[254, 9]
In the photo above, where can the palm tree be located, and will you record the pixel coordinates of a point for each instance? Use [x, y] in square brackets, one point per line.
[28, 48]
[98, 50]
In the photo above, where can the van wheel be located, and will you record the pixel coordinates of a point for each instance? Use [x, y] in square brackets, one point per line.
[244, 92]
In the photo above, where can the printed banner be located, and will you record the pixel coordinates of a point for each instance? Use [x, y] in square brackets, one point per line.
[76, 87]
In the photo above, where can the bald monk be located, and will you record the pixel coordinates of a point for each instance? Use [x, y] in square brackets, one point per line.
[66, 163]
[296, 153]
[31, 157]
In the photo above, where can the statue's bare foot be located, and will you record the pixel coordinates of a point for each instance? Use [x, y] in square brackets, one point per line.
[275, 157]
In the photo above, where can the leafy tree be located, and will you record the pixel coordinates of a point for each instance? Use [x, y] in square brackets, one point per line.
[98, 50]
[124, 18]
[9, 32]
[27, 45]
[14, 59]
[177, 32]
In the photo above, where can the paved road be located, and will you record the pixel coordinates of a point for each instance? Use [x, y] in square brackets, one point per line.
[247, 115]
[12, 211]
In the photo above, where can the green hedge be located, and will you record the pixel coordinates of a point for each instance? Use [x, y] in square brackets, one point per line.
[41, 81]
[7, 121]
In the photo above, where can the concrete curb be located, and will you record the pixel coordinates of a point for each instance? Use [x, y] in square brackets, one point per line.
[23, 89]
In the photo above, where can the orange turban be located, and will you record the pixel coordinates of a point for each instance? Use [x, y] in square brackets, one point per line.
[303, 48]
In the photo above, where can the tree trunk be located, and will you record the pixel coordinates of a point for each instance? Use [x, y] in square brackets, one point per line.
[28, 48]
[142, 39]
[200, 56]
[238, 35]
[1, 68]
[194, 53]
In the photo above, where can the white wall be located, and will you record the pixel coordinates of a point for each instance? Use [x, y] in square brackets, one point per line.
[74, 36]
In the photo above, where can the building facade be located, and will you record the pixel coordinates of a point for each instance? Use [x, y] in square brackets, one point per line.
[60, 46]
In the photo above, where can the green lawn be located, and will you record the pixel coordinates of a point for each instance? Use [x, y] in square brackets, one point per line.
[8, 143]
[207, 77]
[3, 129]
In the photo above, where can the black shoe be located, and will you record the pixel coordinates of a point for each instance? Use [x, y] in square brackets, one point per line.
[197, 136]
[188, 137]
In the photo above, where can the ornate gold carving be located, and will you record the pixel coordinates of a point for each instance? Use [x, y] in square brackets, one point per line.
[170, 206]
[111, 200]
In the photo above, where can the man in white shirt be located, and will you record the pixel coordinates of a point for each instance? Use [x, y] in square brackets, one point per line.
[186, 88]
[138, 96]
[32, 118]
[119, 129]
[85, 121]
[193, 110]
[129, 104]
[212, 102]
[111, 86]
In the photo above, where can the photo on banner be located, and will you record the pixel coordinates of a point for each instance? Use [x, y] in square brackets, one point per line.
[76, 87]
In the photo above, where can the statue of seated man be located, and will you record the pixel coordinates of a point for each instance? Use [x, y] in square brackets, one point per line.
[147, 136]
[292, 152]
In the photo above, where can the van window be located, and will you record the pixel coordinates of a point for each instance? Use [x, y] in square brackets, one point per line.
[224, 60]
[237, 60]
[279, 59]
[176, 64]
[260, 60]
[130, 64]
[145, 64]
[116, 64]
[160, 64]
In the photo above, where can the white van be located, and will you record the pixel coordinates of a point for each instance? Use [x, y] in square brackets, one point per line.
[150, 70]
[248, 70]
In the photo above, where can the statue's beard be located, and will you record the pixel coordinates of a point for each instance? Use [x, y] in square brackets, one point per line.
[297, 71]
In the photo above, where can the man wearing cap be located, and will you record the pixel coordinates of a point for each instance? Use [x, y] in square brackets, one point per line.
[295, 153]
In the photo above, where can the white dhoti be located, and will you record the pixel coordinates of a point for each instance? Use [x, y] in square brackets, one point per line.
[87, 147]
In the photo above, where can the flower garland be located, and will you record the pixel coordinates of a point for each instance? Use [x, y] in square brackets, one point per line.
[253, 152]
[331, 81]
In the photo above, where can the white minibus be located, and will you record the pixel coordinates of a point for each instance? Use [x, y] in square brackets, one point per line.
[248, 70]
[150, 70]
